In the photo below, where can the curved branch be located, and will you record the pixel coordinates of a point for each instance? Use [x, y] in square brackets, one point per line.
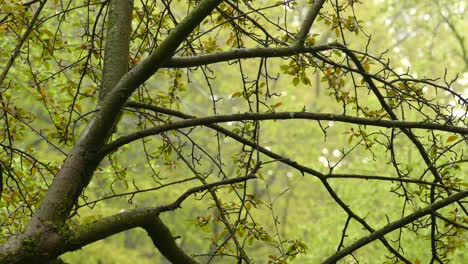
[275, 156]
[395, 225]
[165, 242]
[235, 54]
[361, 220]
[385, 178]
[303, 169]
[132, 193]
[111, 225]
[114, 145]
[308, 21]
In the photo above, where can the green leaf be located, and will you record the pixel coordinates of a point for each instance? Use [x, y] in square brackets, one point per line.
[236, 94]
[296, 81]
[433, 151]
[452, 138]
[284, 68]
[273, 107]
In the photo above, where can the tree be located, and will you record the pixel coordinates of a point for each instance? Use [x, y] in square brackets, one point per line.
[116, 89]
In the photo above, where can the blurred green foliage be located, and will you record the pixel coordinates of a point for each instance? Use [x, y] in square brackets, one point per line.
[295, 211]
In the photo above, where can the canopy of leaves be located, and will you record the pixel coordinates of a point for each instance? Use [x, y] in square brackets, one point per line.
[233, 131]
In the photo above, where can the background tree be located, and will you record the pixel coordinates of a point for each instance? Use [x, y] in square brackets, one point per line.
[154, 115]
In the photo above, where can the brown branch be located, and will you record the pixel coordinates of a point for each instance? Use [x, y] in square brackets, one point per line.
[165, 242]
[395, 225]
[203, 121]
[235, 54]
[361, 220]
[117, 49]
[226, 132]
[107, 226]
[386, 178]
[308, 21]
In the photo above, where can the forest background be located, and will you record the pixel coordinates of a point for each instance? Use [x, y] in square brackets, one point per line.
[303, 190]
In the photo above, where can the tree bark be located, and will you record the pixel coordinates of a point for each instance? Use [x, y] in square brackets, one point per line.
[46, 233]
[165, 242]
[117, 47]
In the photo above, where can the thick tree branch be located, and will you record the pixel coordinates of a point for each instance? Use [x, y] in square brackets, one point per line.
[117, 44]
[117, 223]
[235, 54]
[165, 242]
[96, 132]
[203, 121]
[395, 225]
[248, 53]
[77, 170]
[308, 21]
